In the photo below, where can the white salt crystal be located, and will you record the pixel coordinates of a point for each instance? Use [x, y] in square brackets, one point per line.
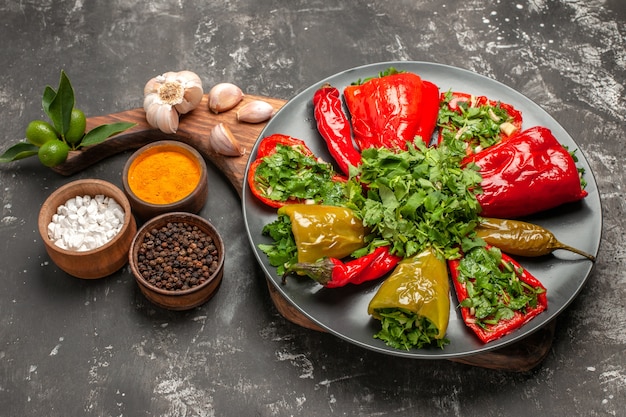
[85, 223]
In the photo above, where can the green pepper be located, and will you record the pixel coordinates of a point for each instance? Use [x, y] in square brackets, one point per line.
[324, 231]
[413, 304]
[521, 238]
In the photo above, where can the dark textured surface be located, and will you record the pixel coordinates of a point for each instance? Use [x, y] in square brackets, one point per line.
[69, 347]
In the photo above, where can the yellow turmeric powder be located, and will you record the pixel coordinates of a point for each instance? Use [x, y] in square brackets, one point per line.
[163, 176]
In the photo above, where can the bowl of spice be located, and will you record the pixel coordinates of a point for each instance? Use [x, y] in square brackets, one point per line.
[163, 177]
[177, 260]
[87, 227]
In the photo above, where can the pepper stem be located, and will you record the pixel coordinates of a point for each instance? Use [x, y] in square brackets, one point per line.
[576, 251]
[320, 271]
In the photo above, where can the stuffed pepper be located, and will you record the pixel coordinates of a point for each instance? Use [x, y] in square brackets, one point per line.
[413, 303]
[391, 110]
[495, 293]
[324, 231]
[526, 174]
[473, 123]
[286, 171]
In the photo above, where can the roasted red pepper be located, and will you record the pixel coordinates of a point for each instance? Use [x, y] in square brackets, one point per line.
[293, 179]
[429, 111]
[526, 174]
[476, 120]
[390, 110]
[334, 127]
[334, 273]
[494, 304]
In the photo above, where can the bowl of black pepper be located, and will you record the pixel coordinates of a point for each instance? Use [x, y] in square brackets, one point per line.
[177, 260]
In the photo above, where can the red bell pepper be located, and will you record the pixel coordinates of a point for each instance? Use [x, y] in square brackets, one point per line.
[390, 110]
[476, 120]
[526, 174]
[429, 111]
[334, 127]
[520, 296]
[334, 273]
[261, 187]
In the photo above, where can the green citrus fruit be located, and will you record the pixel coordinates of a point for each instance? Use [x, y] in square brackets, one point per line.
[78, 123]
[53, 152]
[39, 132]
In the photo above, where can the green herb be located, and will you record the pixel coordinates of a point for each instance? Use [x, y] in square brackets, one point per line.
[494, 289]
[283, 252]
[288, 173]
[402, 329]
[417, 198]
[381, 74]
[474, 126]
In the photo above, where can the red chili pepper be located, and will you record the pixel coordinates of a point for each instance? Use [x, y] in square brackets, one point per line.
[334, 127]
[389, 111]
[334, 273]
[528, 173]
[505, 326]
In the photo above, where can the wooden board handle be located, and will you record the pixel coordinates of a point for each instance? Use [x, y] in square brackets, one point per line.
[194, 130]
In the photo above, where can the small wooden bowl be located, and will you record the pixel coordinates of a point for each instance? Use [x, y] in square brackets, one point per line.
[95, 263]
[191, 203]
[183, 299]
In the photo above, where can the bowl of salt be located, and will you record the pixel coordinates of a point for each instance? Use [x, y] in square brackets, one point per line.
[87, 228]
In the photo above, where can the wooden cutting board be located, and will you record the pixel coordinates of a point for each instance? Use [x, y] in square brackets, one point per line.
[194, 130]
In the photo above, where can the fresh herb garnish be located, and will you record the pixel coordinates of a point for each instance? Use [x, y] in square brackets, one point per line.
[402, 329]
[475, 126]
[283, 251]
[417, 198]
[288, 173]
[494, 289]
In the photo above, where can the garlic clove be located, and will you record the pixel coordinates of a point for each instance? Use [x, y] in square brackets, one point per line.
[222, 141]
[224, 96]
[162, 116]
[193, 91]
[256, 111]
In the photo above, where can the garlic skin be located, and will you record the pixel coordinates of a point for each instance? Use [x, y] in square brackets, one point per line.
[224, 96]
[169, 95]
[222, 141]
[256, 111]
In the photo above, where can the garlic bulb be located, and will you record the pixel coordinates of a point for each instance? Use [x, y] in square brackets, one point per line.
[224, 96]
[256, 111]
[223, 141]
[169, 95]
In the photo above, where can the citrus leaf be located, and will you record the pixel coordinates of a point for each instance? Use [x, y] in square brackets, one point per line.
[101, 133]
[20, 150]
[48, 96]
[60, 109]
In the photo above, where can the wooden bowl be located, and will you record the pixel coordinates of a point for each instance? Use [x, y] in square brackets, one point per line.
[159, 201]
[95, 263]
[176, 299]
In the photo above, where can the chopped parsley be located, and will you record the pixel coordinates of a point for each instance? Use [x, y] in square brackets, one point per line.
[494, 290]
[283, 251]
[475, 126]
[288, 173]
[403, 329]
[417, 198]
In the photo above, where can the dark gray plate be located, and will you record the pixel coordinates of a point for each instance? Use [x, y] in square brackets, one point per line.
[343, 311]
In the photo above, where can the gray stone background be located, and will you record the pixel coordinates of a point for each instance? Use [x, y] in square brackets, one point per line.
[75, 348]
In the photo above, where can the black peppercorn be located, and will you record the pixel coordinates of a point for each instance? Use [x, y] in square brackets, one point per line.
[177, 256]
